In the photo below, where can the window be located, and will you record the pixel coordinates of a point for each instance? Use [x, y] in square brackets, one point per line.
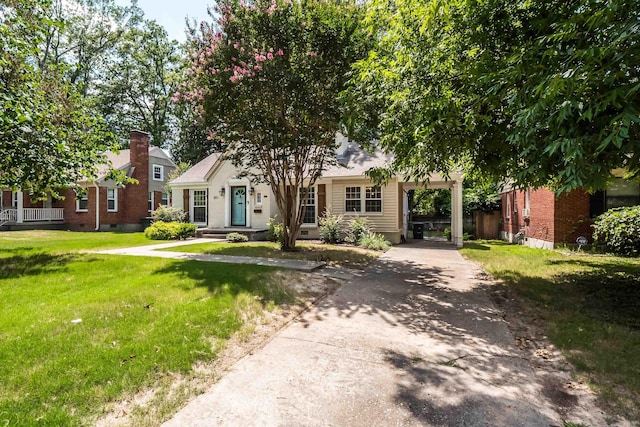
[352, 202]
[200, 206]
[527, 199]
[150, 202]
[373, 199]
[309, 216]
[165, 199]
[515, 202]
[619, 193]
[508, 208]
[82, 203]
[158, 172]
[258, 199]
[14, 199]
[112, 200]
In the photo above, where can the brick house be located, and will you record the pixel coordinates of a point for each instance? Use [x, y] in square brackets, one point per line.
[547, 221]
[120, 208]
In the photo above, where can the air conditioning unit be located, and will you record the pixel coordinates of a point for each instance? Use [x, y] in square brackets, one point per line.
[526, 212]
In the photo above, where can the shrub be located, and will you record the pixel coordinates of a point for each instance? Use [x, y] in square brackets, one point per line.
[237, 238]
[357, 227]
[160, 230]
[619, 230]
[331, 228]
[169, 214]
[374, 241]
[275, 231]
[447, 233]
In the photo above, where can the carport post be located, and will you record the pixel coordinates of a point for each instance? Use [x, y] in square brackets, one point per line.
[456, 213]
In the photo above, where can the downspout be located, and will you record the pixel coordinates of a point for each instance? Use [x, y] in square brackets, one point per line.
[97, 206]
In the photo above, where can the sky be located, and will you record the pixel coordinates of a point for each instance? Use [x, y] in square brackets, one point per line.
[171, 14]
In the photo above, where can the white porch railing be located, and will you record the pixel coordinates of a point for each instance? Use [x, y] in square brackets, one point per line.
[8, 215]
[32, 215]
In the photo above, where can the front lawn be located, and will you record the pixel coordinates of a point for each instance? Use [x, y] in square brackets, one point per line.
[590, 307]
[334, 255]
[81, 331]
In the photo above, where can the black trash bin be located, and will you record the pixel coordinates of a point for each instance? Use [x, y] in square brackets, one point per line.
[418, 230]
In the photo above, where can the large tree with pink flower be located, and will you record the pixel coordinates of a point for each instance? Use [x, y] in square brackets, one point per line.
[265, 79]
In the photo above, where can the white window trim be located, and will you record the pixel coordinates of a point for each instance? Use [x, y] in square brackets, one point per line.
[508, 207]
[363, 201]
[192, 205]
[168, 198]
[259, 198]
[150, 197]
[14, 199]
[315, 218]
[515, 201]
[153, 172]
[115, 200]
[85, 197]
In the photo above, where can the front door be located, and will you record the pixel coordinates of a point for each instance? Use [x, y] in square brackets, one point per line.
[239, 206]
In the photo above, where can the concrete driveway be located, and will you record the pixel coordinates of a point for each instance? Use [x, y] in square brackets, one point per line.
[415, 340]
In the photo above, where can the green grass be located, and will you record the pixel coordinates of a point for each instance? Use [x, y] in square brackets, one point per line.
[142, 319]
[335, 255]
[590, 305]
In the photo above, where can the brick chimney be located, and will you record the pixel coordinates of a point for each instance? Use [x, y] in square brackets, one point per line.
[137, 196]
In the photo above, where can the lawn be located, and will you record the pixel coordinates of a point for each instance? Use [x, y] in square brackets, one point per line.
[81, 331]
[334, 255]
[590, 306]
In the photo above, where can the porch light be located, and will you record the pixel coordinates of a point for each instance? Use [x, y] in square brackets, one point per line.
[252, 190]
[222, 191]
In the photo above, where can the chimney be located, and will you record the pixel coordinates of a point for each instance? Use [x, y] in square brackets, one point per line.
[137, 195]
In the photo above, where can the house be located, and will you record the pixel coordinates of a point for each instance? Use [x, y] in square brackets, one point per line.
[120, 208]
[218, 198]
[546, 221]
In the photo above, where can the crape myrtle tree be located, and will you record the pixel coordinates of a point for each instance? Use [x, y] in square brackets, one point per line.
[50, 135]
[265, 78]
[543, 92]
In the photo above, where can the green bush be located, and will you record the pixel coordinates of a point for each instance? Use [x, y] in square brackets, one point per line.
[357, 227]
[619, 230]
[237, 238]
[331, 228]
[169, 214]
[374, 241]
[160, 230]
[275, 231]
[447, 233]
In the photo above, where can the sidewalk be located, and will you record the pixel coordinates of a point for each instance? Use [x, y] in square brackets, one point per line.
[152, 251]
[413, 341]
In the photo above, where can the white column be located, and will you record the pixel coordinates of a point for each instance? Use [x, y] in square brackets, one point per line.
[20, 208]
[456, 214]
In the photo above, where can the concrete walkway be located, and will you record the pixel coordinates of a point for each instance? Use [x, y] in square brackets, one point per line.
[413, 341]
[152, 251]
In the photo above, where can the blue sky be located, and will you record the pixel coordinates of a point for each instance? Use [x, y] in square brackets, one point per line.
[171, 13]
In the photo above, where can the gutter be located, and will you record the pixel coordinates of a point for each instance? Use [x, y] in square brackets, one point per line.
[97, 206]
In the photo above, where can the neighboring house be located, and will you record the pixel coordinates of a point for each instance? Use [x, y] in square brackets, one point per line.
[547, 221]
[219, 199]
[121, 208]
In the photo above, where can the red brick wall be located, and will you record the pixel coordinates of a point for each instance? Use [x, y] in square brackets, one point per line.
[572, 218]
[134, 202]
[80, 220]
[540, 224]
[6, 199]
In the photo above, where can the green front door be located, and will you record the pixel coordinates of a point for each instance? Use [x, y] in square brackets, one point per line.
[238, 206]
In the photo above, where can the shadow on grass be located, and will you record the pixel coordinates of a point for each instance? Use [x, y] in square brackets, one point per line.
[32, 264]
[232, 279]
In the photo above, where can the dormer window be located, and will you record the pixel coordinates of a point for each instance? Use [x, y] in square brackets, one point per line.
[158, 173]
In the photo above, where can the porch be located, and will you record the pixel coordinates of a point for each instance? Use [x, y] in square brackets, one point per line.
[12, 216]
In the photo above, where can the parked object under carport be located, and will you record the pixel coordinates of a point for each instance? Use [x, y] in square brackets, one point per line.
[418, 230]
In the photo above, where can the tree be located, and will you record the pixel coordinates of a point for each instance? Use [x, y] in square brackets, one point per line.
[266, 78]
[50, 136]
[136, 89]
[544, 92]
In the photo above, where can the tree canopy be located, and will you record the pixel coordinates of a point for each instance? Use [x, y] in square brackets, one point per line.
[543, 92]
[265, 80]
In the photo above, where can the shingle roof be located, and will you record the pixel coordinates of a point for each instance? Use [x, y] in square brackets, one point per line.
[198, 172]
[356, 161]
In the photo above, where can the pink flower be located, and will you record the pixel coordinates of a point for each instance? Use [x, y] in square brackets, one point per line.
[280, 52]
[313, 54]
[269, 55]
